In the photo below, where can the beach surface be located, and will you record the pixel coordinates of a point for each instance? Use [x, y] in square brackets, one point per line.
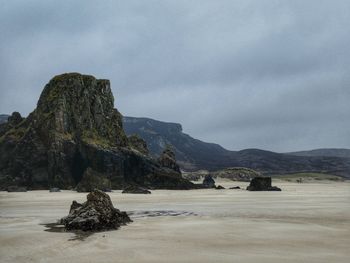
[303, 223]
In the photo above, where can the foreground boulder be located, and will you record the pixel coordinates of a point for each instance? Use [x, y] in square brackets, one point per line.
[262, 184]
[96, 214]
[75, 139]
[134, 189]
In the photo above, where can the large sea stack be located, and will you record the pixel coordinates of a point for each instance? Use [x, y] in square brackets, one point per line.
[76, 132]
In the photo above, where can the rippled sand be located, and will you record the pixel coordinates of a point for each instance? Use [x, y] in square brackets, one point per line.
[303, 223]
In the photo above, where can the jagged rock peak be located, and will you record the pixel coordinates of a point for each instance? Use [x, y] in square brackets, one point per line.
[80, 106]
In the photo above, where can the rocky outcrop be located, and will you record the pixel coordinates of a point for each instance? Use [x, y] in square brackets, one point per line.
[74, 137]
[96, 214]
[208, 182]
[134, 189]
[168, 159]
[262, 184]
[138, 144]
[236, 174]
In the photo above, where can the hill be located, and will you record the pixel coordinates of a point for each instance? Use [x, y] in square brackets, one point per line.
[331, 152]
[194, 154]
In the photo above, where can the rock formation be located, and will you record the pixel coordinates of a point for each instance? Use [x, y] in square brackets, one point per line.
[73, 136]
[167, 159]
[262, 184]
[208, 182]
[96, 214]
[138, 144]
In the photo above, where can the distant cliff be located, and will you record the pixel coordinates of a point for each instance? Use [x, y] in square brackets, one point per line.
[336, 152]
[3, 118]
[194, 154]
[191, 153]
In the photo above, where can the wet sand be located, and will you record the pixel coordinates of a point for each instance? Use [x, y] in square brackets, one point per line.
[303, 223]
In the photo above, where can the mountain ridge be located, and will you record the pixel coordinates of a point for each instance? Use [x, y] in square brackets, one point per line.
[194, 154]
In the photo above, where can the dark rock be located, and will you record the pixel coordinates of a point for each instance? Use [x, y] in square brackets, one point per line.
[75, 139]
[96, 214]
[235, 187]
[134, 189]
[167, 159]
[16, 188]
[208, 182]
[219, 187]
[74, 206]
[54, 189]
[262, 184]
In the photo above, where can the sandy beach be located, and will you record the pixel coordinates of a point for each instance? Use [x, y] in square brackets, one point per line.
[303, 223]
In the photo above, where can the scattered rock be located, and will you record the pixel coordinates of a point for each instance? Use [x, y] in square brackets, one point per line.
[235, 187]
[262, 184]
[219, 187]
[208, 182]
[54, 189]
[134, 189]
[96, 214]
[16, 188]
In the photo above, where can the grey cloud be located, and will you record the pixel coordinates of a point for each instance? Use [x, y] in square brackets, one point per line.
[262, 74]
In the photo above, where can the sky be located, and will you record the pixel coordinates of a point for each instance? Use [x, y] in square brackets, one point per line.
[273, 75]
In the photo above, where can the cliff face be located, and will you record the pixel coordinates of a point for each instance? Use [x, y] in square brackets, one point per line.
[193, 154]
[74, 128]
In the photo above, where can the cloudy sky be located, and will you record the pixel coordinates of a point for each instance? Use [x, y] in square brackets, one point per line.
[245, 74]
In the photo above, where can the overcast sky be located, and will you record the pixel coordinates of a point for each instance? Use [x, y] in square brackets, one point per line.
[245, 74]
